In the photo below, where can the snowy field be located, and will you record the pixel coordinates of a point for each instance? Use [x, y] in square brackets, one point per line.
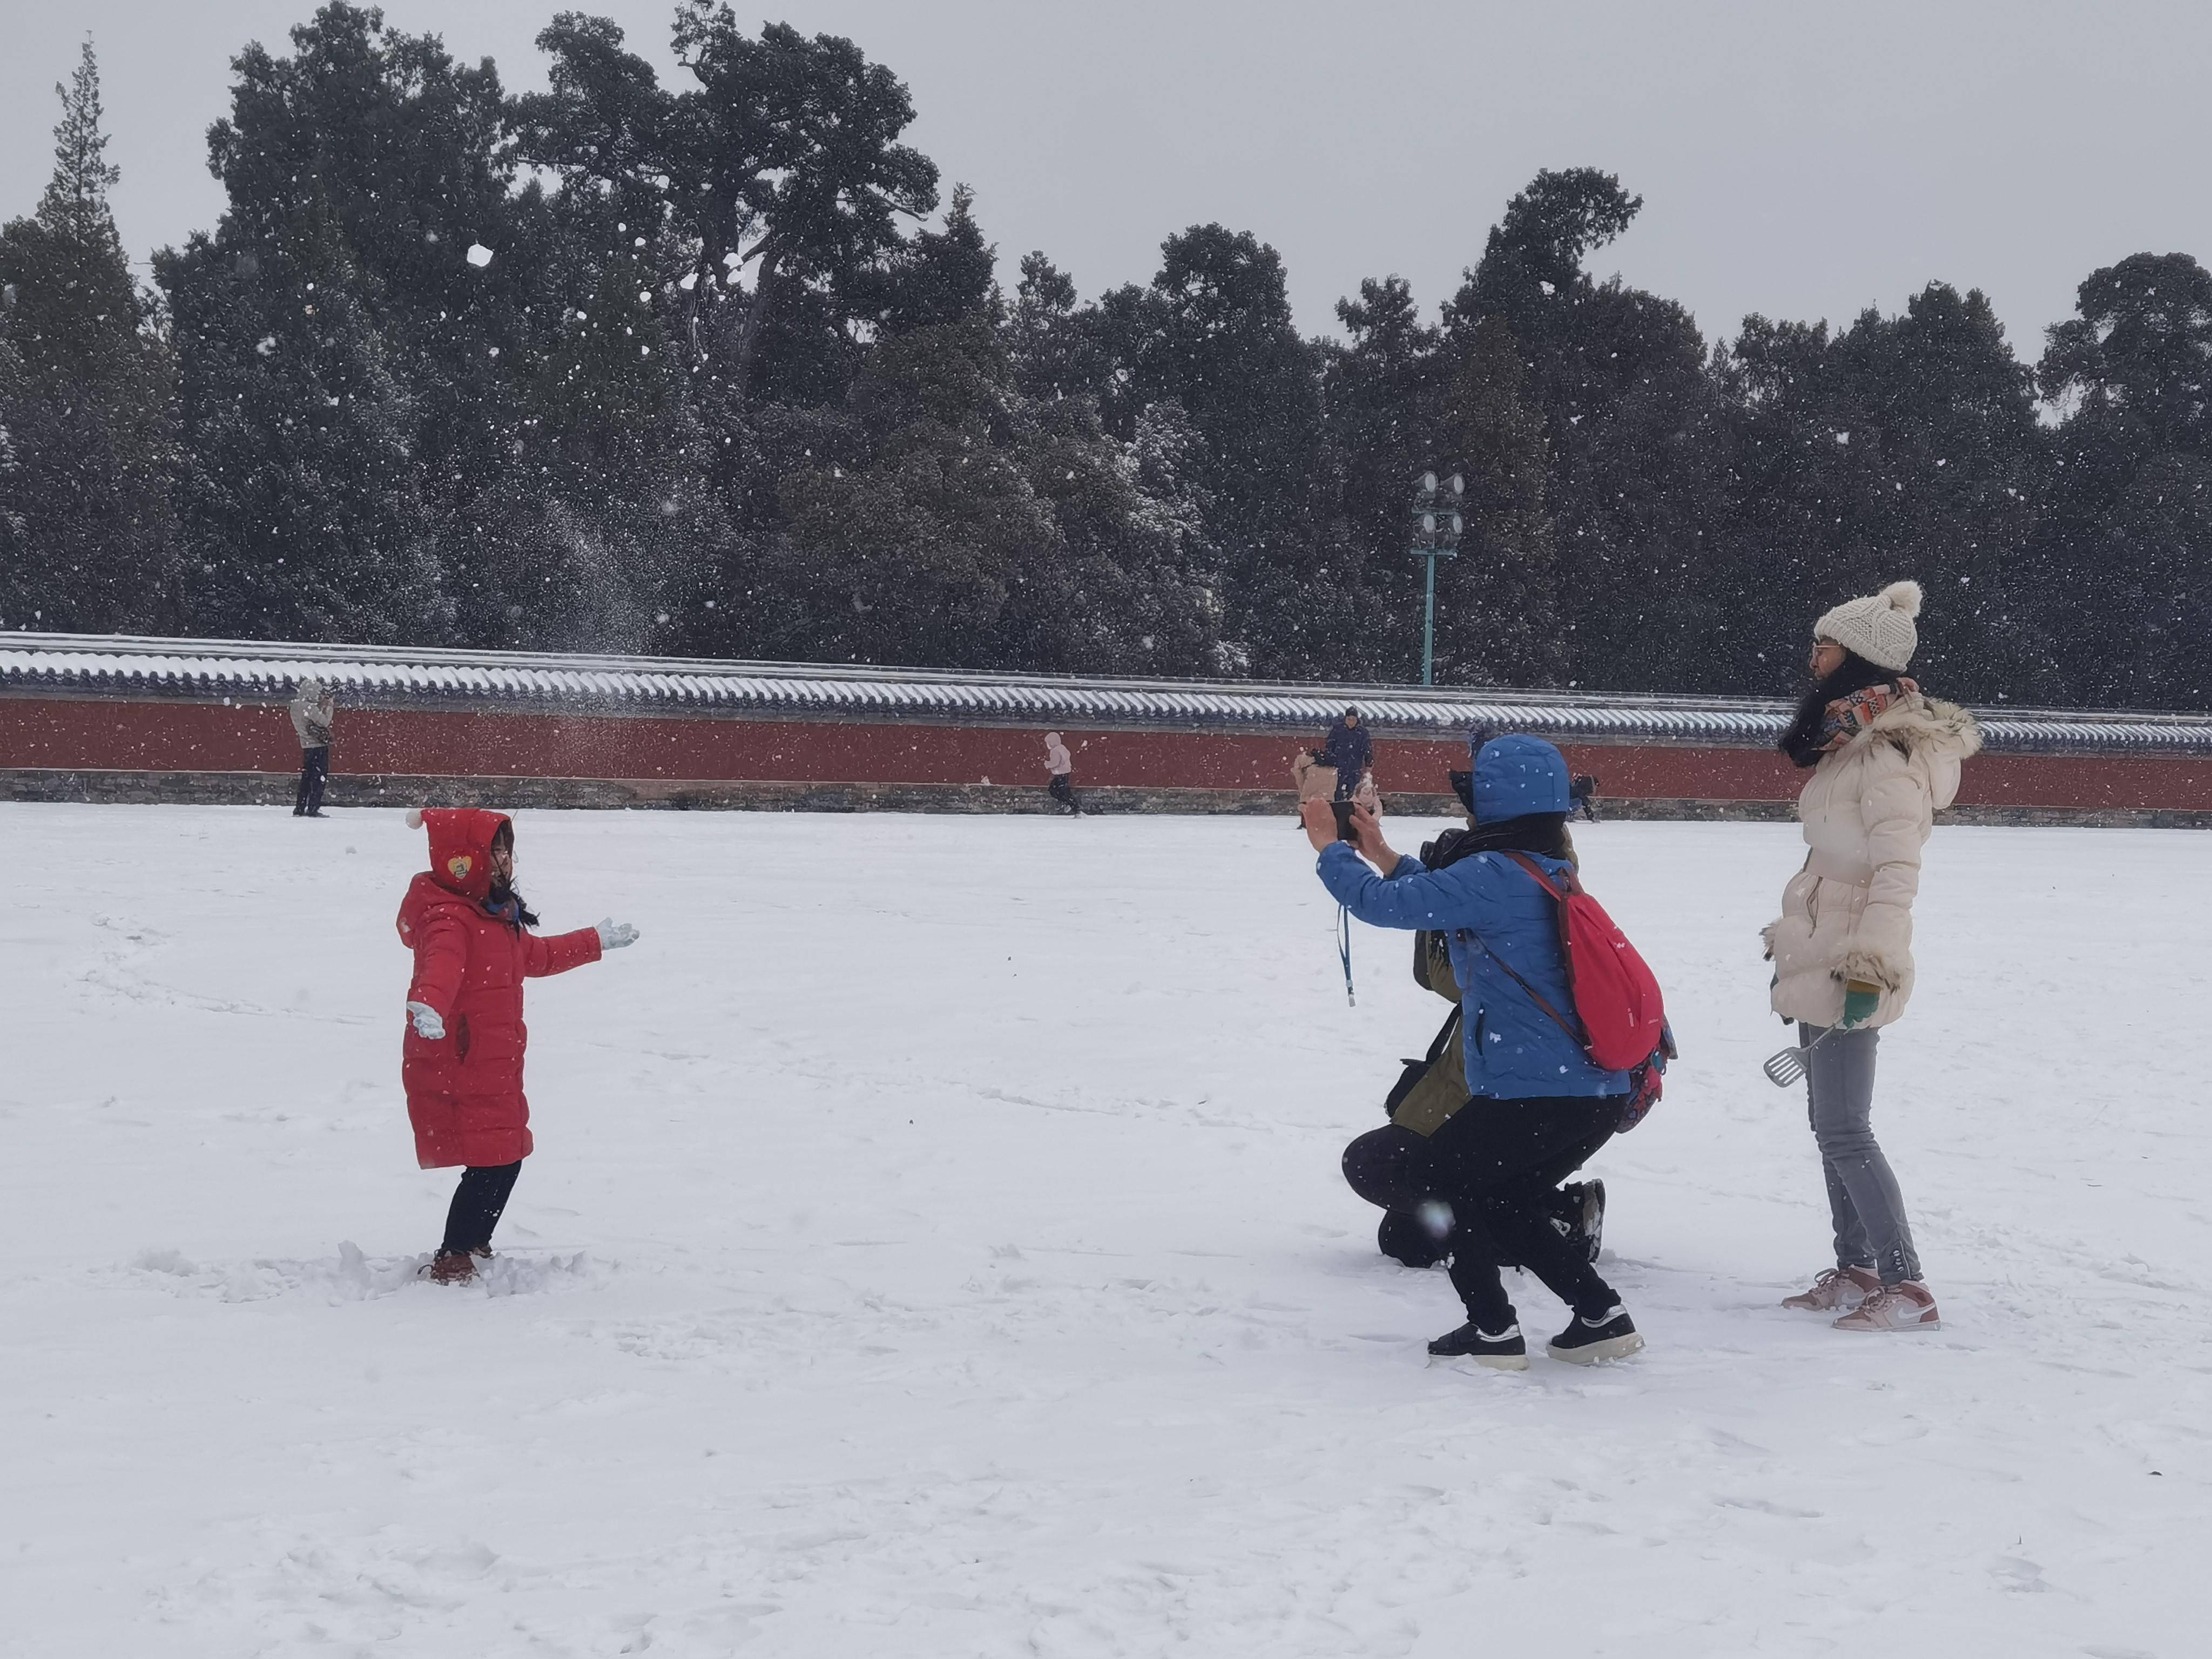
[935, 1247]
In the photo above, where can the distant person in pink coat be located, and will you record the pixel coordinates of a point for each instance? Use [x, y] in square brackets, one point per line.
[1062, 765]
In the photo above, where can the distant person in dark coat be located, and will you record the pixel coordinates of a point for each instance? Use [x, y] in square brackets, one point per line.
[1351, 752]
[313, 709]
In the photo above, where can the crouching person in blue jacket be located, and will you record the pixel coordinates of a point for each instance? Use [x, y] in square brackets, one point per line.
[1481, 1179]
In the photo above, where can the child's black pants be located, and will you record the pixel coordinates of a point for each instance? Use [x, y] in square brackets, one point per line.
[476, 1209]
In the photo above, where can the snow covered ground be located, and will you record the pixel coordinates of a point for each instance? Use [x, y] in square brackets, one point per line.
[935, 1247]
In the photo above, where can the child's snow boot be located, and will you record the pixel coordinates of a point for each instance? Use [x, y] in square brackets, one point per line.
[1500, 1350]
[1611, 1335]
[1836, 1287]
[1910, 1306]
[452, 1267]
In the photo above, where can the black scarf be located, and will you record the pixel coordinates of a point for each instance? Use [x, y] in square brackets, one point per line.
[1544, 833]
[1801, 740]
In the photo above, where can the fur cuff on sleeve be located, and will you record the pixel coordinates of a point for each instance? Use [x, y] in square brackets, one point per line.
[1868, 968]
[1766, 938]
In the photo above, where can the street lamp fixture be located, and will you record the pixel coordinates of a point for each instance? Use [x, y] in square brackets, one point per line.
[1438, 522]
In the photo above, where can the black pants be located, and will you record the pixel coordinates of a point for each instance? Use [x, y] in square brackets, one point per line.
[477, 1202]
[1491, 1165]
[1062, 789]
[314, 770]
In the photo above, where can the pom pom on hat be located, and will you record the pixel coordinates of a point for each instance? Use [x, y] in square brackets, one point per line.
[1878, 628]
[414, 817]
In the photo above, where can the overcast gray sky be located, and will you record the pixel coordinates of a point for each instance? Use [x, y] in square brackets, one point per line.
[1797, 160]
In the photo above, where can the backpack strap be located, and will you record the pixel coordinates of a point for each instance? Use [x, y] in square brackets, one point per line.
[1539, 998]
[1542, 881]
[1567, 888]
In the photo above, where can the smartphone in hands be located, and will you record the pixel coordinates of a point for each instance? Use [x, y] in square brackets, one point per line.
[1343, 810]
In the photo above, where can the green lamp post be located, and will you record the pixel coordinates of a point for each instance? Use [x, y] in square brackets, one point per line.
[1438, 522]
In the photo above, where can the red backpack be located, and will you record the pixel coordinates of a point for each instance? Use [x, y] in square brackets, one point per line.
[1621, 1022]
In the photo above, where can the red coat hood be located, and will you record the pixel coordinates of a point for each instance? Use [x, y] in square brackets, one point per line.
[460, 865]
[460, 848]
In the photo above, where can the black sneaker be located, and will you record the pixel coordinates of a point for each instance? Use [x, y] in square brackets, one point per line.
[1577, 1214]
[1504, 1351]
[1593, 1341]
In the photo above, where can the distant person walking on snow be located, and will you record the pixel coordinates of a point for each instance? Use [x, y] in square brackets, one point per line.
[1885, 760]
[1350, 749]
[314, 708]
[461, 1060]
[1062, 765]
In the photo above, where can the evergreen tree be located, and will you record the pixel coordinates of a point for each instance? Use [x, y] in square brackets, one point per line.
[1214, 334]
[916, 551]
[87, 439]
[951, 519]
[1941, 459]
[497, 449]
[2142, 344]
[2127, 524]
[1056, 345]
[1620, 377]
[1138, 584]
[1385, 397]
[22, 599]
[338, 377]
[299, 500]
[1498, 603]
[1907, 443]
[785, 162]
[944, 275]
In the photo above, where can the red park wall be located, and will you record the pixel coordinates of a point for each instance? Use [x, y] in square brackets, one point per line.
[70, 734]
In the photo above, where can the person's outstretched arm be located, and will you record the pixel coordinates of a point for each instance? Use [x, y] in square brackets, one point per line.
[561, 951]
[1411, 896]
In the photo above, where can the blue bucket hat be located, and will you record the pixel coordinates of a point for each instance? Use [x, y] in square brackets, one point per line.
[1516, 776]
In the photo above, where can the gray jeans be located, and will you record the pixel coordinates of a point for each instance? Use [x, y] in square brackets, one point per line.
[1863, 1201]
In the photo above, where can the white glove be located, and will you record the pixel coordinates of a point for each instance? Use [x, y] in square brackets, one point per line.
[427, 1023]
[613, 934]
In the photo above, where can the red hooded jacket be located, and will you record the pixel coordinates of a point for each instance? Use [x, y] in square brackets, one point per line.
[464, 1091]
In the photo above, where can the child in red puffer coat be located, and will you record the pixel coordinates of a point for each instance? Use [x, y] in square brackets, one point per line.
[462, 1059]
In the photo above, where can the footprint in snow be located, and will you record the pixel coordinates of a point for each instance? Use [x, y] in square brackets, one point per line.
[353, 1276]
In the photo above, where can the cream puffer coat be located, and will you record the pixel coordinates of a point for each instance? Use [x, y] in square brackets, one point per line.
[1866, 809]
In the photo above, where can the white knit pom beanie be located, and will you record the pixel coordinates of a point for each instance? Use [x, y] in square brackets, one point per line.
[1878, 628]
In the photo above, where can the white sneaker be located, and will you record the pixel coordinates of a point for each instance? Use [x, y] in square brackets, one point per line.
[1907, 1306]
[1836, 1287]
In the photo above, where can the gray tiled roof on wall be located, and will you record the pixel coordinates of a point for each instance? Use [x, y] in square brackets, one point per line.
[120, 666]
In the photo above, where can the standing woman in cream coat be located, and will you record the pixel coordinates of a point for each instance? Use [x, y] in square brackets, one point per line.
[1885, 760]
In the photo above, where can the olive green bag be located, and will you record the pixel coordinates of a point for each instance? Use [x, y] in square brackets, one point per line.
[1432, 969]
[1431, 1089]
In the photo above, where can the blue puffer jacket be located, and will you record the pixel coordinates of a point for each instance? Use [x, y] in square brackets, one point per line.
[1514, 1050]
